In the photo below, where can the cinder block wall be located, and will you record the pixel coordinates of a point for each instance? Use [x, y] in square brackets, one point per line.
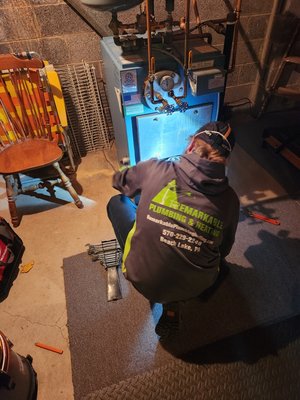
[49, 27]
[56, 31]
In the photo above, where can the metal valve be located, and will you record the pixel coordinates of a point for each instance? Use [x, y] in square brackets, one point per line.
[182, 105]
[166, 107]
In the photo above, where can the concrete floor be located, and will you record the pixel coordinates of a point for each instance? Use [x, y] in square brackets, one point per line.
[35, 310]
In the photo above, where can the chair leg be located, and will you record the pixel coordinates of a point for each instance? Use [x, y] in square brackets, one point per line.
[11, 201]
[66, 181]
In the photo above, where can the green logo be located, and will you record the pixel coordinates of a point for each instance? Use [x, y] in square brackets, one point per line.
[167, 196]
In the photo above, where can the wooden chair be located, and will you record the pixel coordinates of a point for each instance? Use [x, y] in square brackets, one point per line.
[31, 134]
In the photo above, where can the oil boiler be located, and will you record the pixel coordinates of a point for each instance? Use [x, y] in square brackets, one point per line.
[164, 79]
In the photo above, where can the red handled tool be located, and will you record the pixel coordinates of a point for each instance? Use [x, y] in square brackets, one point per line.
[262, 217]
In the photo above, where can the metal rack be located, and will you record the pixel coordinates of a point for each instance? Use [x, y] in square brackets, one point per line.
[87, 108]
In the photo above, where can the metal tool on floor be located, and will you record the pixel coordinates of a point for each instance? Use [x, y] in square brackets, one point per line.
[255, 215]
[109, 254]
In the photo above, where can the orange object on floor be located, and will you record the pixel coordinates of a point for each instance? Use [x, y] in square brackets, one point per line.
[50, 348]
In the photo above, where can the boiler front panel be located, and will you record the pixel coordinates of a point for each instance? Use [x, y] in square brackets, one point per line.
[163, 135]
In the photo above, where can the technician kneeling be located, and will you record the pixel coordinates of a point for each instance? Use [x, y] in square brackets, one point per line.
[184, 225]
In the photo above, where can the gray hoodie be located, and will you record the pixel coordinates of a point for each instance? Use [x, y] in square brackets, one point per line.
[185, 223]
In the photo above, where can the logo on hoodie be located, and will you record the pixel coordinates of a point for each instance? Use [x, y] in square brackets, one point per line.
[166, 203]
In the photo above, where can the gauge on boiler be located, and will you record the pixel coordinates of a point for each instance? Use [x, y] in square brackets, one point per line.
[167, 83]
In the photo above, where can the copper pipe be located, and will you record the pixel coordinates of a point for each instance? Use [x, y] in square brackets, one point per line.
[238, 4]
[198, 20]
[185, 23]
[190, 59]
[237, 11]
[186, 36]
[151, 59]
[187, 53]
[149, 52]
[152, 63]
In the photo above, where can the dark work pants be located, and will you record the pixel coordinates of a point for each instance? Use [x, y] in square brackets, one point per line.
[121, 211]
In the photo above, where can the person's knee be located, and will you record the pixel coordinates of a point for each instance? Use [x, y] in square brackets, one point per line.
[112, 203]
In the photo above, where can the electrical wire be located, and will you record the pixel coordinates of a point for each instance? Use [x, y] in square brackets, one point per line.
[170, 55]
[109, 162]
[241, 103]
[216, 26]
[238, 103]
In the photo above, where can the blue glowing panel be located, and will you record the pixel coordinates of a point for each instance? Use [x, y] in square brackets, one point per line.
[162, 135]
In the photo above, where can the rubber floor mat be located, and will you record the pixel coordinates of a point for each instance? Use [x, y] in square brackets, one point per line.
[112, 342]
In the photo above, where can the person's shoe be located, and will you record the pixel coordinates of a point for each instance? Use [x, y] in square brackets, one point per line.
[169, 322]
